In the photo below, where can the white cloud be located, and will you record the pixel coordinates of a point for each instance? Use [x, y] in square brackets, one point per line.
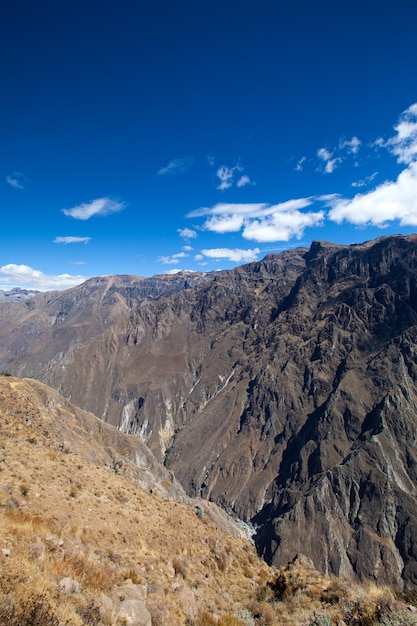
[333, 159]
[16, 180]
[222, 208]
[404, 144]
[300, 164]
[229, 176]
[324, 154]
[352, 145]
[187, 233]
[282, 226]
[228, 223]
[225, 175]
[172, 259]
[243, 181]
[236, 255]
[12, 275]
[365, 181]
[332, 165]
[262, 222]
[177, 166]
[100, 206]
[331, 162]
[390, 201]
[66, 240]
[188, 248]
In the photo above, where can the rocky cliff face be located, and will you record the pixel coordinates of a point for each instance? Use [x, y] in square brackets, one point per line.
[284, 390]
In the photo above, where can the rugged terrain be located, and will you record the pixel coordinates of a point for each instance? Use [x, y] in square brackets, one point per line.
[93, 531]
[283, 390]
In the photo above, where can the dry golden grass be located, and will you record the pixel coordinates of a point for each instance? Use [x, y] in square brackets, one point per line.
[64, 514]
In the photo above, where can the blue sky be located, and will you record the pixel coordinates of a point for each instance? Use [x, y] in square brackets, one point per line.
[149, 137]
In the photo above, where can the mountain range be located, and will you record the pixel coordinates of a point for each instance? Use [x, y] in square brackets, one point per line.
[283, 390]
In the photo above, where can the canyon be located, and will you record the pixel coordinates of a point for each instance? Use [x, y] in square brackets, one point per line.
[283, 390]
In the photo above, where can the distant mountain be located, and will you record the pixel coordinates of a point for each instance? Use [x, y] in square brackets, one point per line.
[17, 294]
[284, 390]
[36, 332]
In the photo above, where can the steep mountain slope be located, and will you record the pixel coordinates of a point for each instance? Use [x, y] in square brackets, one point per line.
[285, 391]
[38, 331]
[93, 532]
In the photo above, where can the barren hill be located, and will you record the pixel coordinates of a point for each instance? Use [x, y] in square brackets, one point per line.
[284, 390]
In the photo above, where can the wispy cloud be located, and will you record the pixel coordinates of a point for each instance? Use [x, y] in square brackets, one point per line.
[225, 175]
[177, 166]
[300, 164]
[67, 240]
[236, 255]
[404, 144]
[365, 181]
[261, 222]
[16, 180]
[351, 145]
[100, 206]
[330, 161]
[390, 201]
[12, 275]
[172, 259]
[187, 233]
[229, 176]
[243, 181]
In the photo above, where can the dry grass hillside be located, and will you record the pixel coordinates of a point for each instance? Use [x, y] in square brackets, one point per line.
[87, 538]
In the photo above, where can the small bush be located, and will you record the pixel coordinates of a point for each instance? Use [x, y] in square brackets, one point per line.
[180, 566]
[32, 611]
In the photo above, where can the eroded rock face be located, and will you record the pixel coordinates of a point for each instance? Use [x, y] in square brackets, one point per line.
[285, 391]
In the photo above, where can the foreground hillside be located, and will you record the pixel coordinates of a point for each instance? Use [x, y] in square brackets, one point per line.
[284, 390]
[86, 538]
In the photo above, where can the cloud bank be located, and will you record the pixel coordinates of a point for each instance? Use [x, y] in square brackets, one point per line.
[12, 275]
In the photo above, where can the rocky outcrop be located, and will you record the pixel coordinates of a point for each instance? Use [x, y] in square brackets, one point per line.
[285, 391]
